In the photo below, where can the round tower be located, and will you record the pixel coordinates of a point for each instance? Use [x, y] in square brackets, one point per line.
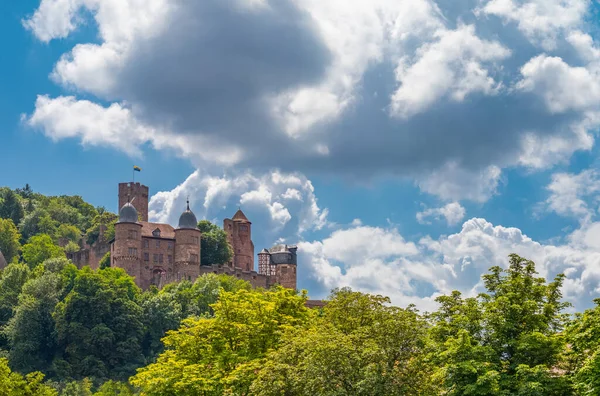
[284, 259]
[187, 247]
[127, 247]
[264, 262]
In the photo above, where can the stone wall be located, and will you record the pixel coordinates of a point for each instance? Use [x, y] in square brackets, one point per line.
[285, 275]
[89, 255]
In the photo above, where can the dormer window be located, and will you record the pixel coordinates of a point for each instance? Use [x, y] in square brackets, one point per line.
[156, 233]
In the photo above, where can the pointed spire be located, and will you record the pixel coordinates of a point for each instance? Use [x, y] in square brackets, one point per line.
[188, 202]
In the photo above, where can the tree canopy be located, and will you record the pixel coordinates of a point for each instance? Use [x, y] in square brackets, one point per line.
[68, 331]
[214, 246]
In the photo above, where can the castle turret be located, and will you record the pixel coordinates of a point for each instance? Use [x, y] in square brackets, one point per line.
[239, 235]
[284, 260]
[187, 247]
[137, 195]
[126, 250]
[264, 263]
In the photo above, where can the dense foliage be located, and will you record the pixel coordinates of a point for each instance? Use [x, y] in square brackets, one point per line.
[214, 246]
[69, 331]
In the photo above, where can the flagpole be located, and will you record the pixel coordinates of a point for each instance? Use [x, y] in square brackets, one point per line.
[133, 175]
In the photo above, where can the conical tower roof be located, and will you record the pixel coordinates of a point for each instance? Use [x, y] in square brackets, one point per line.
[240, 216]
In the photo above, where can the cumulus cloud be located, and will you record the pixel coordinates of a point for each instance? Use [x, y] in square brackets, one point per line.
[562, 87]
[267, 199]
[452, 65]
[454, 182]
[541, 21]
[570, 194]
[364, 89]
[453, 212]
[383, 262]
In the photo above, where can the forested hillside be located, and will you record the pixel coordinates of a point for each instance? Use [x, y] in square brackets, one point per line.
[68, 331]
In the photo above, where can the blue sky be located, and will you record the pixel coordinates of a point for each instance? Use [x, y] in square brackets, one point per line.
[407, 146]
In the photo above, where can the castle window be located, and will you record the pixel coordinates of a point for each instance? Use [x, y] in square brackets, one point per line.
[157, 244]
[156, 233]
[155, 258]
[170, 245]
[146, 256]
[170, 259]
[243, 227]
[132, 234]
[146, 243]
[160, 258]
[132, 251]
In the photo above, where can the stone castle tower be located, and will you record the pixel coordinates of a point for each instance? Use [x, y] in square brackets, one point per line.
[127, 247]
[187, 246]
[154, 253]
[279, 264]
[239, 235]
[137, 195]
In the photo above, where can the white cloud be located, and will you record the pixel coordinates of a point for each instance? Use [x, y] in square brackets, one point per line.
[452, 65]
[562, 87]
[453, 182]
[212, 196]
[387, 264]
[453, 212]
[541, 21]
[115, 126]
[570, 193]
[437, 98]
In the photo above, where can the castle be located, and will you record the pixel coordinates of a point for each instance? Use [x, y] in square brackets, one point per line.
[158, 254]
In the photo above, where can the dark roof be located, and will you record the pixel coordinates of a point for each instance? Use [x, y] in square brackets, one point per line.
[188, 220]
[264, 251]
[240, 216]
[166, 231]
[128, 214]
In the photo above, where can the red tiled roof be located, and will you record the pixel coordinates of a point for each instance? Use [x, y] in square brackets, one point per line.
[166, 231]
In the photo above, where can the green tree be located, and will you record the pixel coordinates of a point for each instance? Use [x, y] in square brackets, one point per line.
[99, 326]
[9, 239]
[165, 309]
[214, 246]
[13, 278]
[25, 192]
[14, 384]
[112, 388]
[67, 233]
[105, 219]
[359, 346]
[37, 222]
[220, 355]
[30, 331]
[40, 248]
[72, 247]
[583, 334]
[11, 208]
[505, 342]
[104, 261]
